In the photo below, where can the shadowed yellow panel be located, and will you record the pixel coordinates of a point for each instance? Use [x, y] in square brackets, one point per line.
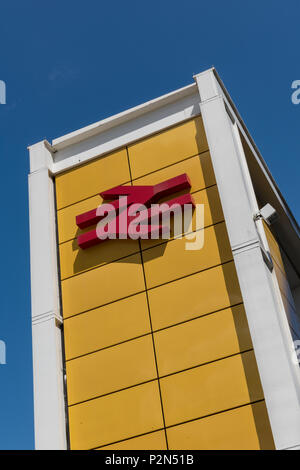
[245, 428]
[92, 178]
[105, 326]
[195, 295]
[115, 417]
[102, 285]
[211, 388]
[285, 290]
[74, 260]
[111, 369]
[212, 214]
[274, 248]
[284, 285]
[198, 168]
[292, 317]
[202, 340]
[173, 260]
[167, 147]
[66, 218]
[154, 441]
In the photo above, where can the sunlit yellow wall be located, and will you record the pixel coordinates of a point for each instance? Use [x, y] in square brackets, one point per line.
[157, 345]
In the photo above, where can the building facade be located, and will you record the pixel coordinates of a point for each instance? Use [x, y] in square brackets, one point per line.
[145, 344]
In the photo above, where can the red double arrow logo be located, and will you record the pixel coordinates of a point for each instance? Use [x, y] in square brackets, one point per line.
[129, 206]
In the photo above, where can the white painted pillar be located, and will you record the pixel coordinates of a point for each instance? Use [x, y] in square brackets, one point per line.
[49, 403]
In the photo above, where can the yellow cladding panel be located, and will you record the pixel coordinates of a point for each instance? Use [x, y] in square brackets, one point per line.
[245, 428]
[74, 260]
[211, 388]
[212, 214]
[199, 170]
[279, 269]
[154, 441]
[114, 417]
[167, 147]
[92, 178]
[193, 296]
[173, 260]
[102, 285]
[105, 326]
[274, 248]
[111, 369]
[66, 218]
[202, 340]
[284, 285]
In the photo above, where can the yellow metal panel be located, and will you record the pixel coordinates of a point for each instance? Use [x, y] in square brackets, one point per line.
[202, 340]
[167, 147]
[211, 388]
[279, 269]
[154, 441]
[105, 326]
[92, 178]
[74, 260]
[102, 285]
[198, 168]
[114, 417]
[274, 248]
[212, 214]
[284, 285]
[193, 296]
[245, 428]
[172, 260]
[111, 369]
[291, 314]
[66, 218]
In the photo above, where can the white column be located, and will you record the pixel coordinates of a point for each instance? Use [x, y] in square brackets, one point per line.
[267, 321]
[49, 403]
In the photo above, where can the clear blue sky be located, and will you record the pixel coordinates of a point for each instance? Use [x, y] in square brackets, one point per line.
[70, 63]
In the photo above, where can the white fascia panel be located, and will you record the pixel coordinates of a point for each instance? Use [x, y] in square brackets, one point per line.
[132, 127]
[49, 402]
[267, 321]
[127, 115]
